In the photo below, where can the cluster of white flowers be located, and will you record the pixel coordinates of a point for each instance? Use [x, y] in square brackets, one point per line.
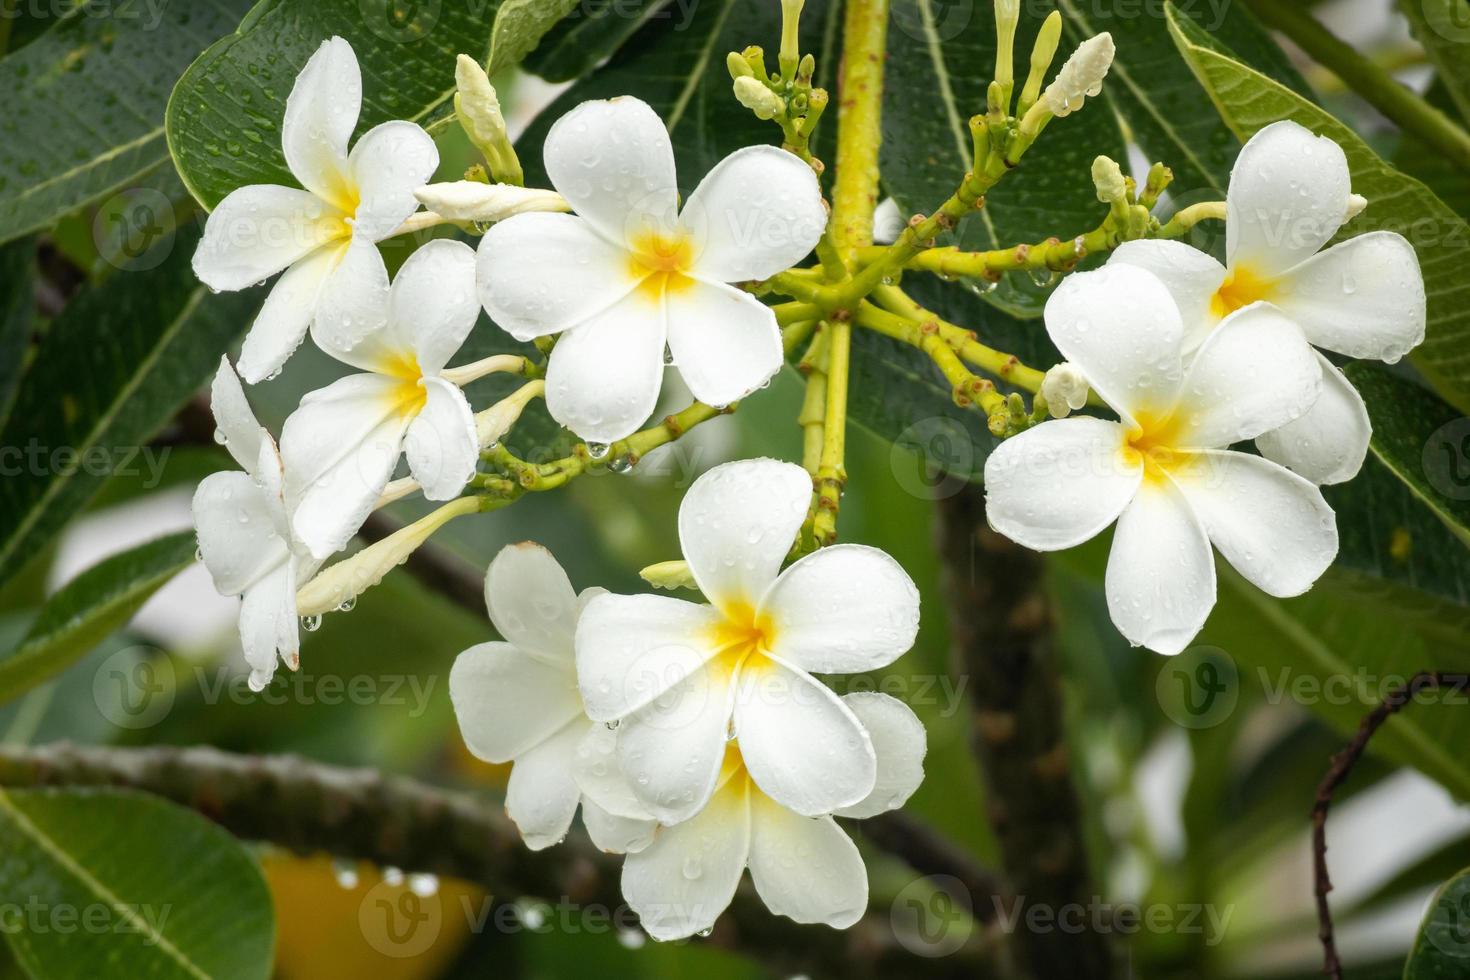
[1195, 357]
[694, 737]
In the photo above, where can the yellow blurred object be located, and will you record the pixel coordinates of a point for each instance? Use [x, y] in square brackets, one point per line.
[344, 921]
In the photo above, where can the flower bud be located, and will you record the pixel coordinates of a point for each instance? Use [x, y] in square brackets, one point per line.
[1065, 389]
[493, 423]
[737, 66]
[669, 575]
[1042, 53]
[1007, 15]
[790, 23]
[470, 200]
[1107, 177]
[758, 98]
[1081, 76]
[478, 109]
[1355, 205]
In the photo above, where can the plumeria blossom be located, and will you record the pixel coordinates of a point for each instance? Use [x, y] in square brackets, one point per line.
[1163, 471]
[679, 677]
[803, 867]
[324, 236]
[342, 444]
[245, 536]
[517, 701]
[630, 272]
[1290, 193]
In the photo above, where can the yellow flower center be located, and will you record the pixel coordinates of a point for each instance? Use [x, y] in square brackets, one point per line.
[659, 263]
[1151, 444]
[743, 639]
[1242, 287]
[409, 395]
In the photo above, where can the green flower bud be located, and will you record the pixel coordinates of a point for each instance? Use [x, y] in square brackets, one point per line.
[758, 98]
[1108, 178]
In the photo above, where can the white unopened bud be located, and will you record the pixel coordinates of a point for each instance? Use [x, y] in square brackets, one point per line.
[669, 575]
[471, 200]
[345, 581]
[1355, 205]
[758, 98]
[1107, 177]
[477, 103]
[1065, 390]
[888, 222]
[494, 422]
[1081, 76]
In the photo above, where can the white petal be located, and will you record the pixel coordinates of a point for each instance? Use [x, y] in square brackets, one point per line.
[1120, 325]
[321, 113]
[806, 868]
[613, 162]
[269, 626]
[1061, 483]
[542, 796]
[757, 213]
[233, 417]
[671, 749]
[259, 230]
[899, 743]
[532, 603]
[1288, 196]
[737, 524]
[725, 342]
[1191, 276]
[604, 377]
[387, 165]
[237, 537]
[842, 610]
[281, 324]
[442, 444]
[803, 747]
[1363, 297]
[1160, 580]
[540, 274]
[352, 315]
[681, 882]
[615, 834]
[269, 473]
[1330, 442]
[1254, 373]
[340, 448]
[602, 780]
[508, 701]
[631, 649]
[432, 301]
[1272, 525]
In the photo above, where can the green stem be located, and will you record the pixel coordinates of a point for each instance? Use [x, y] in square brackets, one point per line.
[1411, 113]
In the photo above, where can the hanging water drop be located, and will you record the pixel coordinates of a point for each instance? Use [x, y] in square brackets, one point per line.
[311, 623]
[598, 450]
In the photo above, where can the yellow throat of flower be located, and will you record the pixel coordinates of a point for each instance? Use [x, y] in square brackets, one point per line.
[660, 263]
[743, 638]
[408, 395]
[1243, 286]
[1152, 444]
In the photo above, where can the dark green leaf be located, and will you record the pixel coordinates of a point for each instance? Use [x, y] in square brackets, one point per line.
[91, 606]
[591, 33]
[17, 309]
[519, 26]
[160, 891]
[114, 368]
[941, 59]
[1248, 101]
[85, 103]
[1441, 950]
[1438, 172]
[1443, 28]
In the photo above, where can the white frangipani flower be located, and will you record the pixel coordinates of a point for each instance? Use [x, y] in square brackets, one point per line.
[245, 534]
[324, 236]
[344, 441]
[803, 867]
[517, 701]
[631, 272]
[676, 674]
[1163, 472]
[1364, 297]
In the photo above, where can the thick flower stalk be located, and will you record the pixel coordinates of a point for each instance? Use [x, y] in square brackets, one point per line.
[324, 236]
[631, 272]
[1163, 472]
[1290, 193]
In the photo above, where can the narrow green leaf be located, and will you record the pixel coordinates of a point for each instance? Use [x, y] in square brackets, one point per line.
[1248, 101]
[1441, 950]
[592, 32]
[940, 63]
[85, 103]
[519, 26]
[113, 369]
[162, 892]
[1443, 28]
[90, 607]
[17, 309]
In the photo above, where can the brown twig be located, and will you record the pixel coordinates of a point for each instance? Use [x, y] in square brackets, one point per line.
[1342, 766]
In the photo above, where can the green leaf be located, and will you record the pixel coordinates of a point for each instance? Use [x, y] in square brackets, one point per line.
[1248, 101]
[224, 118]
[17, 310]
[157, 891]
[1441, 950]
[591, 33]
[1155, 94]
[113, 369]
[84, 114]
[1443, 28]
[941, 58]
[90, 607]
